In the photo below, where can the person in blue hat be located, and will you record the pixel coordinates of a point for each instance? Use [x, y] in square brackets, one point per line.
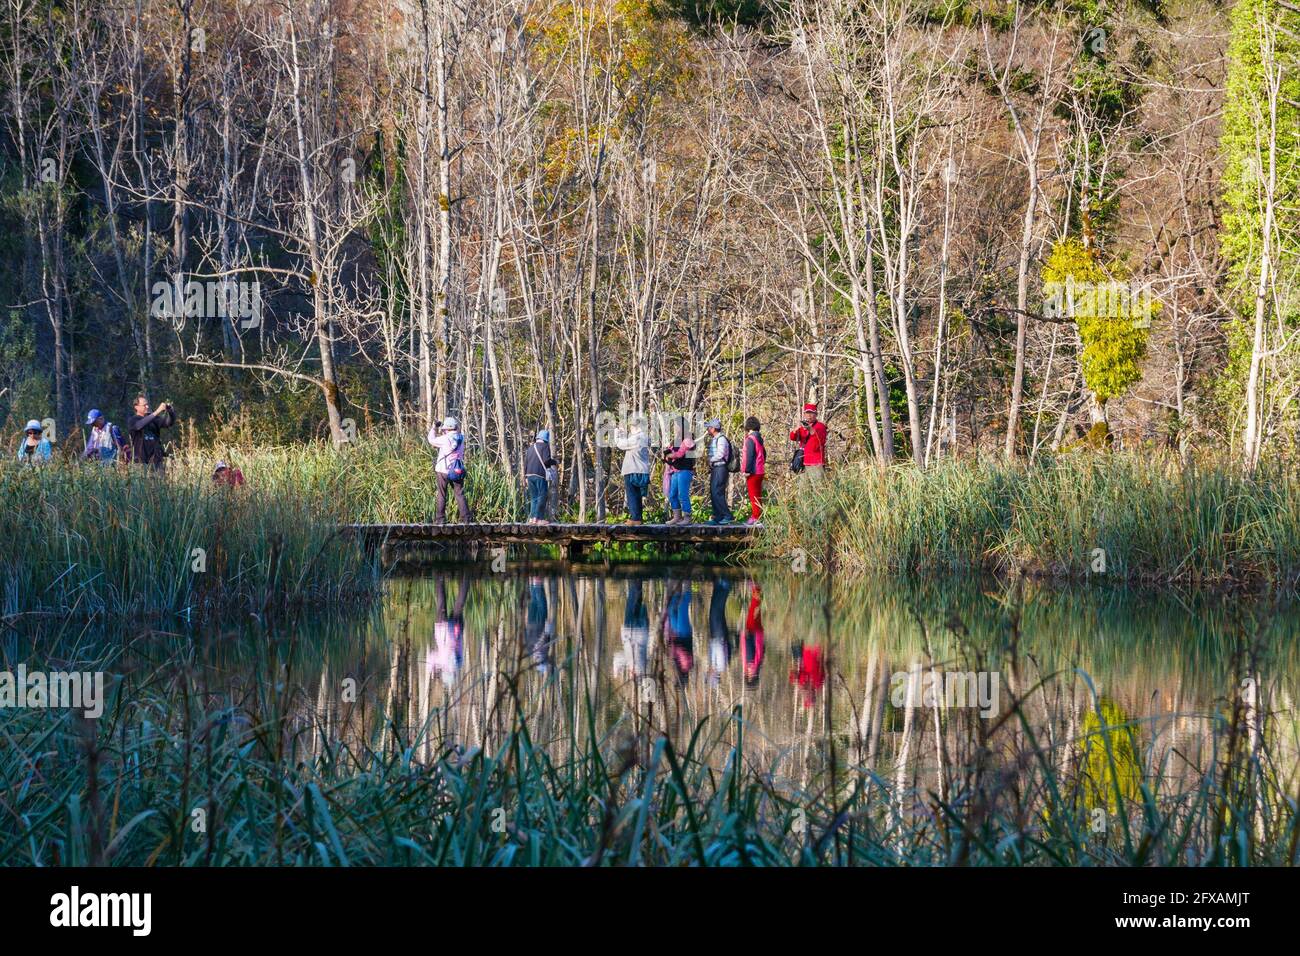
[538, 463]
[105, 442]
[34, 448]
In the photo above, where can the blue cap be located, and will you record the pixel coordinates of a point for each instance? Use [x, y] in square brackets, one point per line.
[544, 435]
[93, 416]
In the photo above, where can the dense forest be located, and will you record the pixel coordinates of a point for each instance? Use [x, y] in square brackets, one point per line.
[322, 218]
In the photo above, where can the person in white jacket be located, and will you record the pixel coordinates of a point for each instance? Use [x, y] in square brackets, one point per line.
[449, 443]
[635, 445]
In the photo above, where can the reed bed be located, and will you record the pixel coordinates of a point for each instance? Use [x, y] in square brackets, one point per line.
[93, 541]
[1120, 517]
[84, 539]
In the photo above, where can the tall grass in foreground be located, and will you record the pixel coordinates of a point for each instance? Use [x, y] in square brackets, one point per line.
[85, 541]
[272, 781]
[1117, 516]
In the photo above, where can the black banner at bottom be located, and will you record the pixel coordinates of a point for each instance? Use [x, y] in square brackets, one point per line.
[231, 906]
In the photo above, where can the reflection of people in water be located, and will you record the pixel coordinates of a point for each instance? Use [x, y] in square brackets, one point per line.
[636, 634]
[537, 625]
[719, 634]
[677, 631]
[751, 643]
[808, 672]
[448, 651]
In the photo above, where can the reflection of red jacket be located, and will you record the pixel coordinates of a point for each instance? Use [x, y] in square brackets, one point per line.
[752, 648]
[810, 674]
[813, 441]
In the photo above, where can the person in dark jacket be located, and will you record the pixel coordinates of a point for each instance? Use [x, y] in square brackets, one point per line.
[537, 465]
[144, 428]
[753, 464]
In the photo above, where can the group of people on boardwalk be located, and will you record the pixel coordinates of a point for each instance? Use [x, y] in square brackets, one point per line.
[141, 444]
[679, 457]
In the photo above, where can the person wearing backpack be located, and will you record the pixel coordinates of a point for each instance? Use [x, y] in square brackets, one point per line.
[450, 467]
[105, 443]
[753, 459]
[537, 465]
[810, 456]
[721, 458]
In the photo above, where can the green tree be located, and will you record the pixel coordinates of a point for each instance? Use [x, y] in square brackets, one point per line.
[1113, 324]
[1261, 219]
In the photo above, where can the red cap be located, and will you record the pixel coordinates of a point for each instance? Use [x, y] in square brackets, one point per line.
[810, 407]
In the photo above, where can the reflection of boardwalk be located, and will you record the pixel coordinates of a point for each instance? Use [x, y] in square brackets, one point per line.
[573, 537]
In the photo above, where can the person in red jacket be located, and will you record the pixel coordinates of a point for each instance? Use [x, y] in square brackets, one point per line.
[811, 436]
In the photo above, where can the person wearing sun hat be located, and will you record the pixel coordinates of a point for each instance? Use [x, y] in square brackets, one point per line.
[447, 439]
[105, 443]
[34, 448]
[811, 436]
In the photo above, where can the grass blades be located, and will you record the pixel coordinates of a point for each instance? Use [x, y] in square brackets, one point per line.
[1121, 517]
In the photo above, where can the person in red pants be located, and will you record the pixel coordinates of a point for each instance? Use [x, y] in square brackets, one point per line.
[753, 463]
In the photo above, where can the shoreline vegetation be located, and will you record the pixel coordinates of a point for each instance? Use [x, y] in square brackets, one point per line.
[281, 778]
[87, 540]
[1143, 520]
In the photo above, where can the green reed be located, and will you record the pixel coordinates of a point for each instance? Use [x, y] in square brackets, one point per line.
[86, 539]
[1136, 518]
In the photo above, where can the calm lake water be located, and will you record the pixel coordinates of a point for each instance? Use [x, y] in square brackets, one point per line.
[906, 680]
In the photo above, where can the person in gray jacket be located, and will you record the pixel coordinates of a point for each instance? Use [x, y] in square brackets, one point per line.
[635, 444]
[720, 453]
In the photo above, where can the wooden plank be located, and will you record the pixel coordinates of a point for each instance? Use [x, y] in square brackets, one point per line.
[563, 534]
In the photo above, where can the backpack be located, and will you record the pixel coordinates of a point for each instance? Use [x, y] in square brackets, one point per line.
[733, 460]
[456, 466]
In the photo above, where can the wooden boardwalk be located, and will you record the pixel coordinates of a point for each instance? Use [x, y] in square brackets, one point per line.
[572, 537]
